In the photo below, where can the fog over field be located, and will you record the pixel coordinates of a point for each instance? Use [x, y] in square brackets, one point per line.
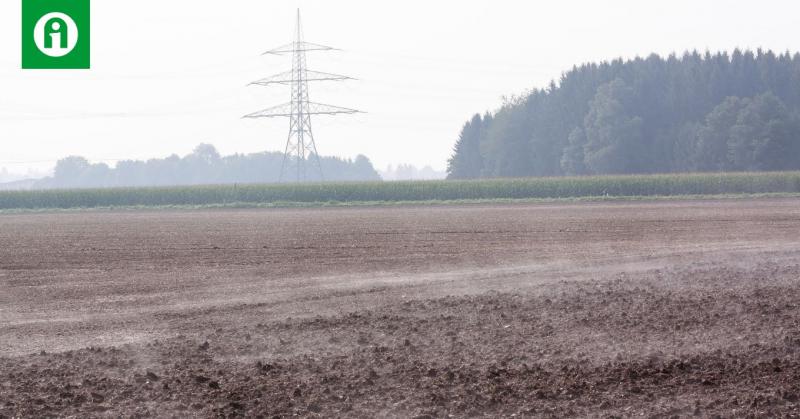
[649, 308]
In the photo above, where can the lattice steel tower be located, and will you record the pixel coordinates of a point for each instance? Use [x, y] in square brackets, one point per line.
[301, 150]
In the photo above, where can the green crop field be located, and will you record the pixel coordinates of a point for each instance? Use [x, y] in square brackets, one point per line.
[411, 191]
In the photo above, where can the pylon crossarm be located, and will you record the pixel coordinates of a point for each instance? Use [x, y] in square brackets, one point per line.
[285, 110]
[322, 109]
[289, 77]
[283, 78]
[273, 112]
[301, 46]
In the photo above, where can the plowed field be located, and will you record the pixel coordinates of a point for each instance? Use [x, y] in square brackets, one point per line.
[628, 309]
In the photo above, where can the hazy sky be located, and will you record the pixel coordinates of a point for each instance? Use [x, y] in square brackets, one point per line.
[167, 75]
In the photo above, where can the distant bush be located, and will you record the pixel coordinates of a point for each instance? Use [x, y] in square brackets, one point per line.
[204, 166]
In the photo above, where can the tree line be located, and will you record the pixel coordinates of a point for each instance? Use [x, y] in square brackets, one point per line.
[697, 112]
[204, 166]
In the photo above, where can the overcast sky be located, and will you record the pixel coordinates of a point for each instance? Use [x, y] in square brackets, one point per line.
[168, 75]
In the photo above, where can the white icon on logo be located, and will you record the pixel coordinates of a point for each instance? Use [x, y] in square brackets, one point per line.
[55, 34]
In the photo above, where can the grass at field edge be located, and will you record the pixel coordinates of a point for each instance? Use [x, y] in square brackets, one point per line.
[336, 204]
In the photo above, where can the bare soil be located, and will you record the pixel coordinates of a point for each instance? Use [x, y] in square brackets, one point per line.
[627, 309]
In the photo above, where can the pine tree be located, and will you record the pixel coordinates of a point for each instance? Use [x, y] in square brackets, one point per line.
[651, 114]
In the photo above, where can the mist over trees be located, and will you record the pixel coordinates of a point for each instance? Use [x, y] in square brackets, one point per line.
[697, 112]
[203, 166]
[411, 172]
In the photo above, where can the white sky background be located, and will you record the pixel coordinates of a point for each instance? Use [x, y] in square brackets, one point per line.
[169, 74]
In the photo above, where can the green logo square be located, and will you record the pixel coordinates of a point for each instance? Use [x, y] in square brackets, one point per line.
[55, 34]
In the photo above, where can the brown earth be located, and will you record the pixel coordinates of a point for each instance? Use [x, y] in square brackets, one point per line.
[654, 309]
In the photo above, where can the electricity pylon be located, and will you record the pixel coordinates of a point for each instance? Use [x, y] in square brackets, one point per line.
[300, 145]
